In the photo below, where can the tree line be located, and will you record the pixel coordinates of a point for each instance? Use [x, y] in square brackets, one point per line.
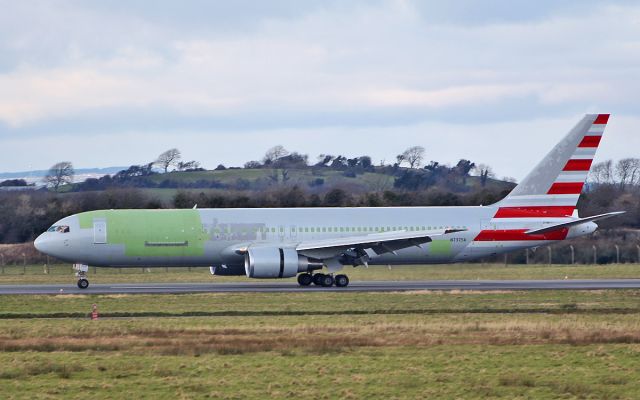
[23, 215]
[408, 172]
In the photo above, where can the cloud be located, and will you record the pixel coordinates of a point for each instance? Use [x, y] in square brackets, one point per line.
[216, 71]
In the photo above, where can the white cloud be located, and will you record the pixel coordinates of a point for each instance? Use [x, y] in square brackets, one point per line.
[347, 76]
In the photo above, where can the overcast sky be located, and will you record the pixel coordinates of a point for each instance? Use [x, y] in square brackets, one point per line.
[497, 82]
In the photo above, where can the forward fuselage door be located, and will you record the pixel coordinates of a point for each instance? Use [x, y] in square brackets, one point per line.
[99, 231]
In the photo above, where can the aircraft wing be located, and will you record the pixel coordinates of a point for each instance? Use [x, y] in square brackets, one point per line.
[574, 222]
[379, 243]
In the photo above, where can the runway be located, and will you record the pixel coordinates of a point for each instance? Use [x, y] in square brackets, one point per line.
[358, 286]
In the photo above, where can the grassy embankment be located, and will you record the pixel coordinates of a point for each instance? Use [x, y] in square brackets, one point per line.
[63, 273]
[542, 344]
[365, 182]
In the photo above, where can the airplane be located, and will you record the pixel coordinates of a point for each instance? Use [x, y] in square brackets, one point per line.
[274, 243]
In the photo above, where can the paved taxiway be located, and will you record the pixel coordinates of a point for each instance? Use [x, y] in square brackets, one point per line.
[361, 286]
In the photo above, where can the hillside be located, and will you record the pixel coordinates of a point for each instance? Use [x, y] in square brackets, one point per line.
[319, 180]
[23, 215]
[311, 179]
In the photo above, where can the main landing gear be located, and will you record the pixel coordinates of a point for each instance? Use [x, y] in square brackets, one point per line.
[81, 274]
[324, 280]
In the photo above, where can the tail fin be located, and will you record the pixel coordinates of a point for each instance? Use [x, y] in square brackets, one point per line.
[553, 187]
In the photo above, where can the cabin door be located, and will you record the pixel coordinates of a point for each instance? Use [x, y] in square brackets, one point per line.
[99, 231]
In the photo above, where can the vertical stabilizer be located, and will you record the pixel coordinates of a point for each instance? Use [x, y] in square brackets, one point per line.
[553, 187]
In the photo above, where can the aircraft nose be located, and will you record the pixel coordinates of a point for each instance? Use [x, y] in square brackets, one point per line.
[41, 243]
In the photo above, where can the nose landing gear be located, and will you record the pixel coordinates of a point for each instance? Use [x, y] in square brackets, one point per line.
[81, 274]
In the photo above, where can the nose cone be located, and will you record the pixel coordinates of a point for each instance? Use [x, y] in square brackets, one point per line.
[42, 243]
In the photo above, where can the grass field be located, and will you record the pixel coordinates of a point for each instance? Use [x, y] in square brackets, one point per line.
[541, 344]
[327, 345]
[64, 273]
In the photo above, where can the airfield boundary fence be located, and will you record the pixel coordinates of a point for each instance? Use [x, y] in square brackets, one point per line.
[67, 269]
[572, 254]
[547, 255]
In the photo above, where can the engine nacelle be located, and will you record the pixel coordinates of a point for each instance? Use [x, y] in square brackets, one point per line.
[277, 262]
[228, 270]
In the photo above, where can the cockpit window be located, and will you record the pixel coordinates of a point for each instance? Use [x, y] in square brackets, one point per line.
[59, 228]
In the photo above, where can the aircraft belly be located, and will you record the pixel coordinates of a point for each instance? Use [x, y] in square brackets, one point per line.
[435, 252]
[115, 256]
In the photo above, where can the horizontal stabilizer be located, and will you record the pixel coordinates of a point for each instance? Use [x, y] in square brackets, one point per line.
[574, 222]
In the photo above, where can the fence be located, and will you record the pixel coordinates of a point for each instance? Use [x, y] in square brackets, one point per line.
[67, 269]
[583, 253]
[572, 254]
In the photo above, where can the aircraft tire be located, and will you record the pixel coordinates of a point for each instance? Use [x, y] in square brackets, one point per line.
[83, 283]
[317, 279]
[305, 279]
[327, 281]
[342, 280]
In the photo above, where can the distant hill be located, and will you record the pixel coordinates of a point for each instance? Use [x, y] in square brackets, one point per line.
[80, 174]
[318, 180]
[43, 172]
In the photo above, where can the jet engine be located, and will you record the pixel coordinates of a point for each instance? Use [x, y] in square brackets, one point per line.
[276, 262]
[228, 270]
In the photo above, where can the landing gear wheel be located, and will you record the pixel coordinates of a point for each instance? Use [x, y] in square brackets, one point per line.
[342, 280]
[83, 283]
[305, 279]
[327, 281]
[317, 279]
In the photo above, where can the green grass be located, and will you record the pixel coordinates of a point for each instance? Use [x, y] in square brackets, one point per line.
[325, 303]
[553, 344]
[315, 344]
[64, 274]
[470, 372]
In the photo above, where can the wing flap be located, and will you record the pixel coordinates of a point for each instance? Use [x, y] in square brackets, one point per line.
[385, 242]
[373, 238]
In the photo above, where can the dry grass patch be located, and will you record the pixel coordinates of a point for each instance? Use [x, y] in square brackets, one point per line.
[327, 337]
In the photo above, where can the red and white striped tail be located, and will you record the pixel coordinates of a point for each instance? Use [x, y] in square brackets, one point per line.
[553, 187]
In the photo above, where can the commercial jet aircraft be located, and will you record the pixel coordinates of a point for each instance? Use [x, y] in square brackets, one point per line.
[281, 243]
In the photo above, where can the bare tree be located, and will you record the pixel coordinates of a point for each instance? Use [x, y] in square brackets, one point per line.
[187, 165]
[485, 172]
[627, 171]
[275, 153]
[413, 156]
[60, 174]
[167, 159]
[324, 160]
[602, 172]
